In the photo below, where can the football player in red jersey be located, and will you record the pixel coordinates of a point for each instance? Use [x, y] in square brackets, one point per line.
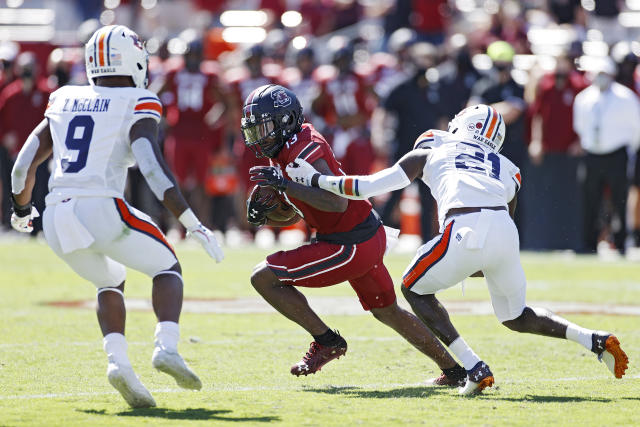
[196, 113]
[351, 240]
[346, 102]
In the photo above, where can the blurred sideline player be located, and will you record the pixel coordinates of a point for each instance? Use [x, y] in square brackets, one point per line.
[346, 102]
[351, 240]
[473, 185]
[96, 132]
[196, 113]
[22, 103]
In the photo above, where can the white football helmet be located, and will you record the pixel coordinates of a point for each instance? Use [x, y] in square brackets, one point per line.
[480, 123]
[115, 50]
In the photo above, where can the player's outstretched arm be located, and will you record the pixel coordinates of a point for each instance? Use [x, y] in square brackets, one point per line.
[35, 150]
[361, 187]
[143, 137]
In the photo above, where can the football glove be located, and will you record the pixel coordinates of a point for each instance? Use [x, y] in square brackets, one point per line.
[259, 206]
[207, 239]
[22, 216]
[301, 172]
[269, 176]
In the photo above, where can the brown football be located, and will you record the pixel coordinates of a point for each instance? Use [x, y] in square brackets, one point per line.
[283, 212]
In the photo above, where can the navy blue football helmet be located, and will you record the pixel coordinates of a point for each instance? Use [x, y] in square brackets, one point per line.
[271, 115]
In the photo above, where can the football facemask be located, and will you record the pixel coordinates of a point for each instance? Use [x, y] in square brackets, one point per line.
[260, 137]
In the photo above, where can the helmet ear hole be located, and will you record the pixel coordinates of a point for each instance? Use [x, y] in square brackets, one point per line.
[140, 67]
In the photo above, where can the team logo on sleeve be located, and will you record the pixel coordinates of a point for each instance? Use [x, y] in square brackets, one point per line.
[280, 98]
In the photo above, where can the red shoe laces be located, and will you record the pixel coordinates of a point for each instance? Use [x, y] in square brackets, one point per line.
[312, 350]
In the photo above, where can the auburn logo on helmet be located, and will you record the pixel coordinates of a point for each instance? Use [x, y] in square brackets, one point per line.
[280, 98]
[136, 41]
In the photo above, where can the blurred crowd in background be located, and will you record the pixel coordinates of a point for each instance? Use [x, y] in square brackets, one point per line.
[372, 75]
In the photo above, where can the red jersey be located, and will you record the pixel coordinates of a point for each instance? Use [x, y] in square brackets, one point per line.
[20, 112]
[555, 106]
[188, 98]
[309, 145]
[346, 95]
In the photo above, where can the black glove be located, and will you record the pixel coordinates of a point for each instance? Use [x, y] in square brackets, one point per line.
[20, 210]
[258, 206]
[269, 176]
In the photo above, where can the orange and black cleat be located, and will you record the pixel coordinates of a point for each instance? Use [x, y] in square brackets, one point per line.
[478, 378]
[608, 349]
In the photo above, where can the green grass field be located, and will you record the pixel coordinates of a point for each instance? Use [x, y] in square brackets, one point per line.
[52, 366]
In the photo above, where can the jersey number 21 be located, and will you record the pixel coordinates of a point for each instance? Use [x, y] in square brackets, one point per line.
[472, 159]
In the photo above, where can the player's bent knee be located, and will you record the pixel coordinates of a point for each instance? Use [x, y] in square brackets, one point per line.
[519, 324]
[386, 313]
[176, 267]
[408, 293]
[263, 276]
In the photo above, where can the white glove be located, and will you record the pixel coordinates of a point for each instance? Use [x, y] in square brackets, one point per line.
[206, 238]
[24, 224]
[301, 171]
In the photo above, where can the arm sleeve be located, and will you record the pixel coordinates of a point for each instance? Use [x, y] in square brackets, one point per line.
[150, 167]
[23, 162]
[363, 187]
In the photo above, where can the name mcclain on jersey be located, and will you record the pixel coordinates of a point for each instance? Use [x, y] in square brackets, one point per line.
[94, 105]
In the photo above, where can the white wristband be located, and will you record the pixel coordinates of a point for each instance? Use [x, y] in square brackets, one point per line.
[188, 219]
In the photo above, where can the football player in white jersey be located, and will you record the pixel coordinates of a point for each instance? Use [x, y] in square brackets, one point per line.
[475, 188]
[96, 133]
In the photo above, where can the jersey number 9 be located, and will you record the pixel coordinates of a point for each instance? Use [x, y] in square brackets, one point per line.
[78, 138]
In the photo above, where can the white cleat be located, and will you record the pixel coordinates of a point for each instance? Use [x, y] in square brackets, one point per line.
[173, 364]
[124, 379]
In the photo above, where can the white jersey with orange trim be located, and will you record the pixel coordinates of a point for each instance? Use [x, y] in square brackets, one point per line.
[463, 173]
[90, 130]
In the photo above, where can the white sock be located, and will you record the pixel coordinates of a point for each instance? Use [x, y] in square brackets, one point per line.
[115, 345]
[463, 352]
[580, 335]
[167, 335]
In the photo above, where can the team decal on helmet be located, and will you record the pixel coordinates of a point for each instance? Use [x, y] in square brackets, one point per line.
[280, 98]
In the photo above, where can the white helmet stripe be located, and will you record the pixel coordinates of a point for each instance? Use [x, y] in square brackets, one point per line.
[109, 46]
